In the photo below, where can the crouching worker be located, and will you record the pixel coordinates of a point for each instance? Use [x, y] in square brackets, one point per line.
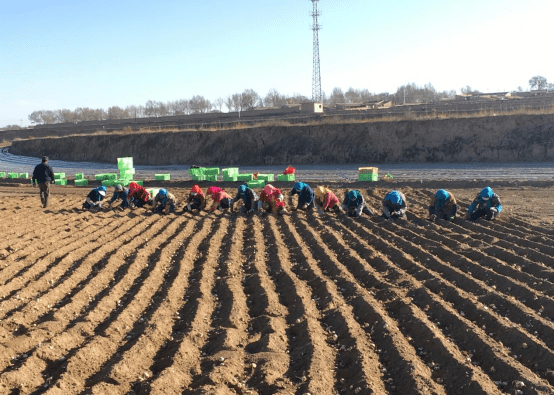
[354, 204]
[249, 197]
[306, 196]
[94, 198]
[164, 202]
[394, 205]
[272, 200]
[122, 193]
[443, 206]
[327, 200]
[138, 196]
[220, 199]
[486, 204]
[196, 200]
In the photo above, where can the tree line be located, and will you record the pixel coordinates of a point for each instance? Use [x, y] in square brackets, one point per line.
[406, 94]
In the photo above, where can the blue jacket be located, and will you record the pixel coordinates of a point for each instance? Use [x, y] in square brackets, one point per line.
[249, 197]
[305, 194]
[493, 201]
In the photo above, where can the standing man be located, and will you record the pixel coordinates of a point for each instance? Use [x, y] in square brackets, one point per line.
[44, 176]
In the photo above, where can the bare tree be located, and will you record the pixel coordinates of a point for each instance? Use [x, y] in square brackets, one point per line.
[352, 96]
[117, 113]
[538, 82]
[218, 103]
[337, 96]
[249, 99]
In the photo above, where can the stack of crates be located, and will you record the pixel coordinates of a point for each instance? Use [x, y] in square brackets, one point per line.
[230, 174]
[368, 174]
[24, 175]
[13, 175]
[163, 176]
[2, 174]
[197, 174]
[126, 171]
[110, 179]
[245, 177]
[80, 179]
[289, 177]
[59, 179]
[211, 174]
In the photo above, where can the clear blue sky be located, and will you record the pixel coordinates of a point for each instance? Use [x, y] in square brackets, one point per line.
[67, 54]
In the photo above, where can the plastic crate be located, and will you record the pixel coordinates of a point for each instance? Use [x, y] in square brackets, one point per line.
[229, 178]
[163, 176]
[60, 182]
[13, 175]
[245, 177]
[256, 184]
[127, 173]
[211, 178]
[100, 176]
[290, 177]
[2, 174]
[123, 182]
[230, 172]
[269, 177]
[139, 182]
[107, 183]
[368, 177]
[211, 171]
[24, 175]
[196, 171]
[60, 175]
[79, 176]
[111, 176]
[125, 163]
[81, 182]
[199, 177]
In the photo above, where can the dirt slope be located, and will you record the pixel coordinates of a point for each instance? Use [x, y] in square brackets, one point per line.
[128, 302]
[486, 139]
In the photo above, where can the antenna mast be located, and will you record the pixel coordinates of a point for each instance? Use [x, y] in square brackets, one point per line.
[316, 76]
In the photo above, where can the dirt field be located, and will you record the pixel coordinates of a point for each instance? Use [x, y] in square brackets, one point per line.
[128, 302]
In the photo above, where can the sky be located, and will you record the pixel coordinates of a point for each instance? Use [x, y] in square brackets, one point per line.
[66, 54]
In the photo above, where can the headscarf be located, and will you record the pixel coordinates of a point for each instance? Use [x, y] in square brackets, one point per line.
[242, 190]
[394, 197]
[353, 195]
[196, 190]
[320, 193]
[163, 195]
[298, 187]
[213, 191]
[486, 193]
[441, 198]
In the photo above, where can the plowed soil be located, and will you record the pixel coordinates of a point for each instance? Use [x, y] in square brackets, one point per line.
[130, 302]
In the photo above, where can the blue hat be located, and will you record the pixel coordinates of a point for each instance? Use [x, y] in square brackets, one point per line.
[162, 192]
[394, 197]
[442, 195]
[486, 193]
[101, 190]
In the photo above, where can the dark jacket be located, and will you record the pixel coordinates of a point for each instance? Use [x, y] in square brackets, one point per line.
[95, 196]
[305, 197]
[43, 173]
[250, 199]
[121, 195]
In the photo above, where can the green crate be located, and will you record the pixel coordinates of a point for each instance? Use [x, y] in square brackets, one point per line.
[2, 174]
[60, 175]
[211, 178]
[107, 183]
[139, 182]
[256, 184]
[100, 176]
[368, 177]
[290, 177]
[81, 182]
[196, 171]
[211, 171]
[111, 176]
[13, 175]
[163, 176]
[123, 182]
[125, 163]
[199, 177]
[227, 172]
[79, 176]
[245, 177]
[127, 173]
[229, 178]
[269, 177]
[24, 175]
[60, 182]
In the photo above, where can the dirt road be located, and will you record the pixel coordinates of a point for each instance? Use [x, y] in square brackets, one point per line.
[128, 302]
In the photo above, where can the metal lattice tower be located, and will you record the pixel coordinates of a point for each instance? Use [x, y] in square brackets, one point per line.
[316, 75]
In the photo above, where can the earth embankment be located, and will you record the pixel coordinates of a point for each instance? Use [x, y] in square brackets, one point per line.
[485, 139]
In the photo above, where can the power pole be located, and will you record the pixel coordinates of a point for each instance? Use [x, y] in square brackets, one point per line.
[316, 75]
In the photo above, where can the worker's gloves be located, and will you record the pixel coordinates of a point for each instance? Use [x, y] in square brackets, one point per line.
[493, 212]
[304, 207]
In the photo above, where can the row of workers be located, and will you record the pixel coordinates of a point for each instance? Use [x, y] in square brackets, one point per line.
[443, 203]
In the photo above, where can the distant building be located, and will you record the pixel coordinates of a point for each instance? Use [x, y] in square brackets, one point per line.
[311, 107]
